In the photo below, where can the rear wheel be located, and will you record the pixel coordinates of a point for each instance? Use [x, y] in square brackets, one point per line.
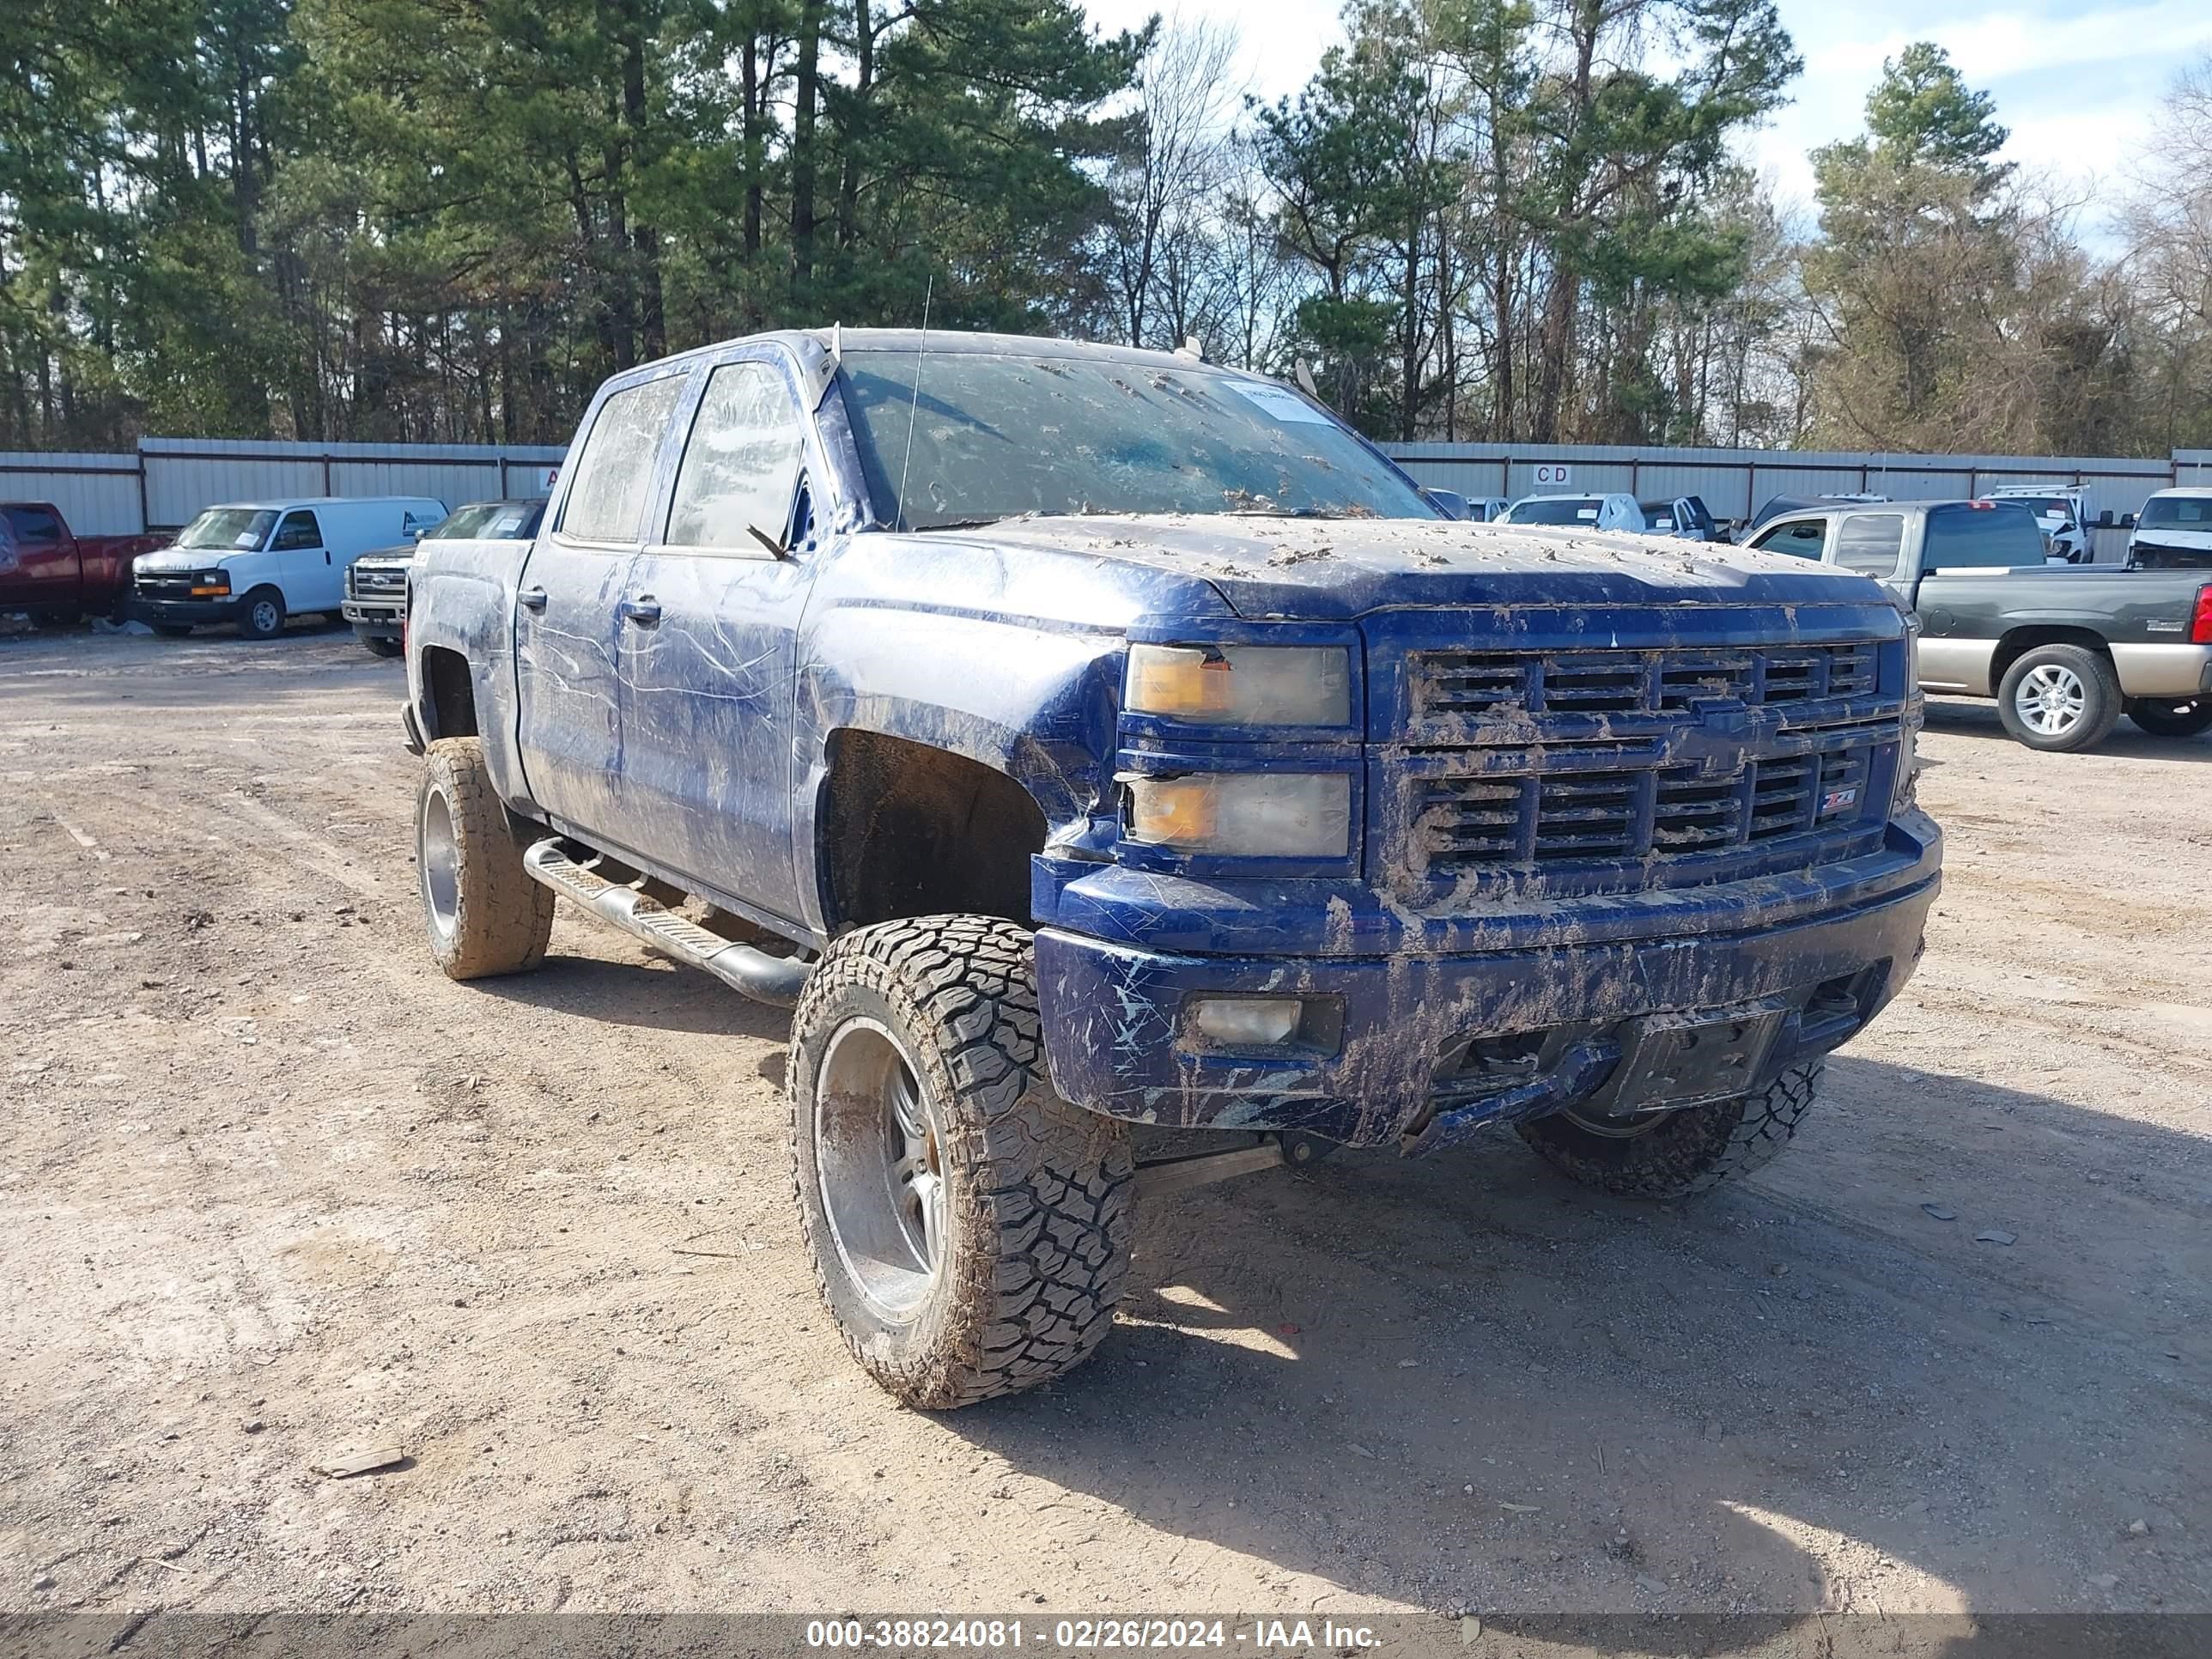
[969, 1229]
[262, 616]
[379, 647]
[172, 630]
[485, 914]
[1675, 1154]
[2164, 717]
[2059, 698]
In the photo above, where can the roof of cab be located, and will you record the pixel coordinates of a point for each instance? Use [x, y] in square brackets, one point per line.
[813, 344]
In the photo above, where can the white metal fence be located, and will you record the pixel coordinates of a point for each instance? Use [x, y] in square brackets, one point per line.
[166, 481]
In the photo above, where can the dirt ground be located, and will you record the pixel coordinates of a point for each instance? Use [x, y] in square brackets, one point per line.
[275, 1190]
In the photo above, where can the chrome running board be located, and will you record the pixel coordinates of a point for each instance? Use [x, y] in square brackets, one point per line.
[743, 968]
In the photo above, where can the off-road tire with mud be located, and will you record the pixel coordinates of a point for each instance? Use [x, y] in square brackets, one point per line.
[1685, 1153]
[2172, 717]
[484, 913]
[1032, 1237]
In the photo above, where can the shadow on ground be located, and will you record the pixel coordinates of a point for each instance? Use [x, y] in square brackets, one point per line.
[1446, 1381]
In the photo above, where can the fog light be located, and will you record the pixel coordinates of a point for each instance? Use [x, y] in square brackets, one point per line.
[1263, 1021]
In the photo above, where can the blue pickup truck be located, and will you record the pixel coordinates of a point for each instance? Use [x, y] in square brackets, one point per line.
[1132, 780]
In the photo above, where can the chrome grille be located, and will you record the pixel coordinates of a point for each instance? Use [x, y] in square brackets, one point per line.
[376, 583]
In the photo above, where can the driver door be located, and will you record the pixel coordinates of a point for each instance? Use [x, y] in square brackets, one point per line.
[570, 623]
[304, 571]
[709, 665]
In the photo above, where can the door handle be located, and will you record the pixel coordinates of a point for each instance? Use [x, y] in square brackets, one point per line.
[532, 598]
[645, 609]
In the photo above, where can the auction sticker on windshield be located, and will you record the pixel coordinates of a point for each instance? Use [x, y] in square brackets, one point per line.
[1280, 401]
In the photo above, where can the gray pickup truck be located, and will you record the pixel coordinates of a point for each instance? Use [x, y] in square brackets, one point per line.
[2064, 650]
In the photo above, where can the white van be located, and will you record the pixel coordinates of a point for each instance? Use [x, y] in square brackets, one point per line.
[257, 563]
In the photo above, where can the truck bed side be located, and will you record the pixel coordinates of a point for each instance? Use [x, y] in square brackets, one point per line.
[461, 663]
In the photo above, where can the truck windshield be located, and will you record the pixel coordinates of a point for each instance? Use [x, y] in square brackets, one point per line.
[2046, 506]
[2003, 535]
[1567, 509]
[230, 528]
[2177, 513]
[996, 436]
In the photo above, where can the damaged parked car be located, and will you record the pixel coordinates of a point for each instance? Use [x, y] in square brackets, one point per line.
[1093, 743]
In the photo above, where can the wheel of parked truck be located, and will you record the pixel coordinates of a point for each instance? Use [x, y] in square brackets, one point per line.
[2059, 697]
[485, 914]
[1677, 1153]
[2168, 717]
[969, 1229]
[173, 631]
[379, 647]
[262, 616]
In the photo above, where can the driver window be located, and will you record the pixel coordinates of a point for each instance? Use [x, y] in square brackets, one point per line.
[1802, 539]
[298, 531]
[741, 463]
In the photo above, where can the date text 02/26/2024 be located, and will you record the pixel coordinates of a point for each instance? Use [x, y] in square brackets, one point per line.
[1087, 1635]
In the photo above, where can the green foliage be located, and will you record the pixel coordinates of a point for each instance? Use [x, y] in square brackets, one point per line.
[449, 219]
[1922, 114]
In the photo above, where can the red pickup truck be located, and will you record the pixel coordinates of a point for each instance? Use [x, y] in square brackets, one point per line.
[57, 576]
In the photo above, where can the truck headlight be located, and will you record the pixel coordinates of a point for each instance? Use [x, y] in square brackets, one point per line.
[1269, 815]
[1241, 684]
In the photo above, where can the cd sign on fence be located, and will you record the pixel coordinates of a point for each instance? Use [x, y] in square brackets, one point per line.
[1553, 473]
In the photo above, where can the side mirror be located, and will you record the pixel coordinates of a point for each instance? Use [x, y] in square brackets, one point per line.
[2127, 521]
[2105, 519]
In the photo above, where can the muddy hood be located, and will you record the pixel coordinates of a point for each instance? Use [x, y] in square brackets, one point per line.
[1346, 568]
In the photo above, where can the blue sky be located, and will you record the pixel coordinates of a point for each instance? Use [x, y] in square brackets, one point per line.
[2075, 81]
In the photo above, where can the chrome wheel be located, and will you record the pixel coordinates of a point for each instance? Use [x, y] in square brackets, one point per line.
[880, 1161]
[438, 855]
[2051, 700]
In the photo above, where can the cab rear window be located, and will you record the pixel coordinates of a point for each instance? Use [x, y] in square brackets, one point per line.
[1966, 535]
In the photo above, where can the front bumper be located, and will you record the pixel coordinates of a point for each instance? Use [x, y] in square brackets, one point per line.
[1809, 966]
[183, 612]
[378, 620]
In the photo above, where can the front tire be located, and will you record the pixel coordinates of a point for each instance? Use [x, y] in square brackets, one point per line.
[969, 1229]
[262, 616]
[2059, 698]
[1679, 1153]
[2169, 717]
[484, 914]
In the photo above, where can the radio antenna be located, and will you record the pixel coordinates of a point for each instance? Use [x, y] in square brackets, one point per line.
[914, 407]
